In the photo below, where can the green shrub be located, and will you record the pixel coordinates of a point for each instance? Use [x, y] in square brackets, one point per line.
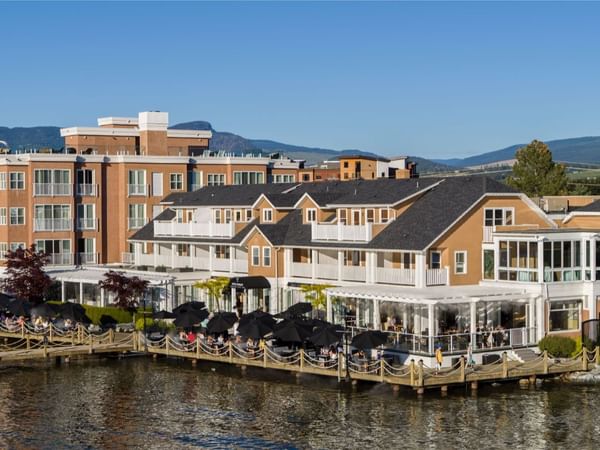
[153, 325]
[558, 346]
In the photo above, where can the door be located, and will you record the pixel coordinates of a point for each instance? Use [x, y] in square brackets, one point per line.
[356, 217]
[157, 184]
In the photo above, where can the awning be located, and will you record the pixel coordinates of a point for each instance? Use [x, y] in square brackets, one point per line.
[255, 282]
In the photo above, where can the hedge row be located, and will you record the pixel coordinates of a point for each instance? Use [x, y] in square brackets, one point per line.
[558, 346]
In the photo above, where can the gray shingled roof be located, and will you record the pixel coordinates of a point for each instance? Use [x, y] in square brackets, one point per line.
[592, 207]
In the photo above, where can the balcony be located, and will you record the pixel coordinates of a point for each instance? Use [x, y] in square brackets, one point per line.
[354, 273]
[134, 223]
[301, 270]
[88, 190]
[488, 233]
[52, 224]
[127, 258]
[192, 229]
[87, 258]
[395, 276]
[60, 259]
[436, 277]
[86, 223]
[221, 265]
[52, 189]
[341, 232]
[137, 189]
[240, 265]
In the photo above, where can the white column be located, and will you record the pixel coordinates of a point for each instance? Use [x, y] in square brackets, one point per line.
[233, 295]
[231, 258]
[540, 257]
[313, 263]
[497, 259]
[431, 324]
[329, 308]
[287, 262]
[156, 249]
[173, 255]
[376, 316]
[102, 298]
[211, 257]
[420, 276]
[62, 291]
[340, 264]
[192, 250]
[540, 312]
[593, 258]
[81, 292]
[473, 327]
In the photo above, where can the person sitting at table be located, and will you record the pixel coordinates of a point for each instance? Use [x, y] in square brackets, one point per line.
[191, 337]
[261, 345]
[37, 323]
[182, 337]
[332, 353]
[68, 324]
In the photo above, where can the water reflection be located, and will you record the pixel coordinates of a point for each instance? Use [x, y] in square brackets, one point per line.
[138, 403]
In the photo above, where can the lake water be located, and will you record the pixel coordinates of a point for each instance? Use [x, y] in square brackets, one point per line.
[167, 404]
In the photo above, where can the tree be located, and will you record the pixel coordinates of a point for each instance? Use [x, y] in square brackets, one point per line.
[25, 275]
[127, 290]
[214, 288]
[536, 174]
[315, 294]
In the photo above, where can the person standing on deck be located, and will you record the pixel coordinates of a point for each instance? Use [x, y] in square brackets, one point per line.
[438, 358]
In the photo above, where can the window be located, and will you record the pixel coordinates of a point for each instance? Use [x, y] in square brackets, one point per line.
[248, 215]
[345, 164]
[85, 182]
[216, 179]
[86, 217]
[370, 215]
[194, 180]
[217, 216]
[342, 218]
[283, 178]
[460, 262]
[222, 251]
[564, 315]
[227, 216]
[3, 182]
[137, 182]
[562, 261]
[238, 215]
[267, 215]
[2, 216]
[137, 216]
[3, 249]
[488, 264]
[354, 258]
[53, 246]
[17, 180]
[17, 216]
[311, 215]
[384, 215]
[256, 256]
[176, 181]
[14, 246]
[267, 256]
[248, 178]
[435, 259]
[498, 216]
[517, 261]
[52, 218]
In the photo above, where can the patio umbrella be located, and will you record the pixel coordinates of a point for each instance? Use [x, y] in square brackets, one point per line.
[5, 300]
[326, 336]
[74, 312]
[43, 310]
[189, 306]
[164, 315]
[264, 317]
[107, 321]
[295, 310]
[19, 307]
[291, 331]
[189, 319]
[369, 339]
[255, 329]
[221, 322]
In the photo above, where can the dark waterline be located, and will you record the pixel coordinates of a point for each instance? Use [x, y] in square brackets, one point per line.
[138, 403]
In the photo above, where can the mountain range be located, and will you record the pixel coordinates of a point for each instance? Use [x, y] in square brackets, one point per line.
[576, 150]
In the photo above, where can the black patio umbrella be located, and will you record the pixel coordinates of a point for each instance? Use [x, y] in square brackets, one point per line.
[369, 339]
[43, 310]
[74, 312]
[190, 319]
[326, 336]
[189, 306]
[292, 331]
[5, 300]
[164, 315]
[295, 310]
[107, 321]
[264, 317]
[221, 322]
[255, 329]
[19, 307]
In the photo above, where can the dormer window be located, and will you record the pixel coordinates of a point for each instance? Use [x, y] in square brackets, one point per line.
[342, 218]
[267, 215]
[370, 215]
[311, 215]
[384, 215]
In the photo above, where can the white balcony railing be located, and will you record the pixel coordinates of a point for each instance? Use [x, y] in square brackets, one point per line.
[240, 265]
[327, 271]
[395, 276]
[60, 259]
[488, 233]
[52, 224]
[303, 270]
[210, 229]
[127, 258]
[341, 232]
[221, 264]
[354, 273]
[436, 277]
[87, 258]
[87, 190]
[137, 189]
[86, 223]
[52, 189]
[133, 223]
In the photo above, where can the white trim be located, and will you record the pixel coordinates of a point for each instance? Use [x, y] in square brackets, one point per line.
[270, 256]
[308, 212]
[97, 131]
[465, 253]
[264, 211]
[260, 197]
[252, 255]
[189, 134]
[117, 121]
[580, 213]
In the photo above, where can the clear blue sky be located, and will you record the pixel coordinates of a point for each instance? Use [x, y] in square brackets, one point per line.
[426, 79]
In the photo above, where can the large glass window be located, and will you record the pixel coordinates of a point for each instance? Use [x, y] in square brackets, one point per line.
[498, 216]
[216, 179]
[562, 261]
[564, 315]
[17, 216]
[248, 178]
[17, 180]
[137, 182]
[137, 216]
[488, 264]
[517, 261]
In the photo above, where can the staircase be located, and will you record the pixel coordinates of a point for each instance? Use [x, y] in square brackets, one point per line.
[524, 354]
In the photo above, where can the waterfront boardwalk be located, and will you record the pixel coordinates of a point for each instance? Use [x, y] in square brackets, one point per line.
[28, 344]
